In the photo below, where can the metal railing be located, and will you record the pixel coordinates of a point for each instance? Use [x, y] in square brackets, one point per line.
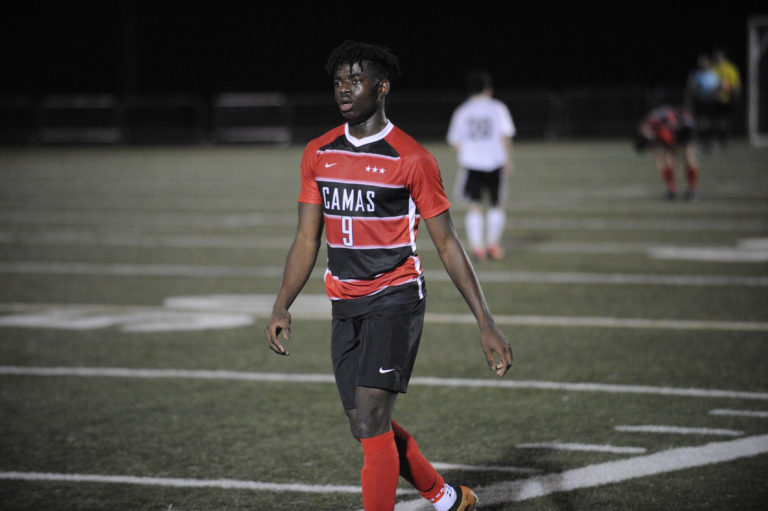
[258, 117]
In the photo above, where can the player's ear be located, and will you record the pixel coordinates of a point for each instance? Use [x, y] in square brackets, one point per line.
[383, 87]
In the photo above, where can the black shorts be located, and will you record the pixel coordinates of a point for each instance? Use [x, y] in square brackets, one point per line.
[377, 349]
[683, 136]
[479, 182]
[704, 109]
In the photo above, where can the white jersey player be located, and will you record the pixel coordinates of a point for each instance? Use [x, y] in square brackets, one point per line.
[481, 130]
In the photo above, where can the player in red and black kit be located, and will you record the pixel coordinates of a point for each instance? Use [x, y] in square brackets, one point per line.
[370, 185]
[670, 131]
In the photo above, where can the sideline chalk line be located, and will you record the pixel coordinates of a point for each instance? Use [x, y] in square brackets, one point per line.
[486, 276]
[121, 372]
[500, 493]
[184, 313]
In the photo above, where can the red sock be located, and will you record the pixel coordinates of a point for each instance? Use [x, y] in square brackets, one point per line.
[414, 467]
[668, 175]
[693, 177]
[381, 467]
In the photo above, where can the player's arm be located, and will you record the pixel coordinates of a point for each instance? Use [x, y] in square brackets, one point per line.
[298, 267]
[496, 347]
[509, 167]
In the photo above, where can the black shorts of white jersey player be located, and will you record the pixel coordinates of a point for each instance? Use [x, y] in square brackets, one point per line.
[478, 182]
[376, 349]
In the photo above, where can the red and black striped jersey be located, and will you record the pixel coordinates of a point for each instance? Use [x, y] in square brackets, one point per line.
[373, 192]
[665, 123]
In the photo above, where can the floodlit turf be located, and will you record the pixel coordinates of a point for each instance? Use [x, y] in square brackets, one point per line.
[624, 310]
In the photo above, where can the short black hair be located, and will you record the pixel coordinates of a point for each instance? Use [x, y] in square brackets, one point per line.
[384, 61]
[478, 80]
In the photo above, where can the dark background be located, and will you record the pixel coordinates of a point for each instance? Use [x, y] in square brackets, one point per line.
[134, 46]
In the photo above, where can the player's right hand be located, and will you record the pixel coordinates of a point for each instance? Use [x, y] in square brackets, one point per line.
[279, 323]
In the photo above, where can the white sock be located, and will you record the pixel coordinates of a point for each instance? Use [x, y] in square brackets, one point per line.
[474, 225]
[496, 221]
[446, 499]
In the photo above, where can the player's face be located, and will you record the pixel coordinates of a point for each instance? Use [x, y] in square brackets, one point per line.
[357, 92]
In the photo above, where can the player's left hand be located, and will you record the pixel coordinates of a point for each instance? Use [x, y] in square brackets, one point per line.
[497, 351]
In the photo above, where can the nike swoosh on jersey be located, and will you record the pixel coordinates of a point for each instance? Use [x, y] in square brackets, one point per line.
[385, 371]
[330, 164]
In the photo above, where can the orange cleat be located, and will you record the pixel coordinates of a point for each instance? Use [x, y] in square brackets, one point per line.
[496, 252]
[465, 501]
[479, 254]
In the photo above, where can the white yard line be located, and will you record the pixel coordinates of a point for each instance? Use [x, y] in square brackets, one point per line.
[606, 223]
[567, 446]
[612, 472]
[591, 387]
[489, 277]
[131, 239]
[485, 276]
[500, 493]
[711, 254]
[251, 218]
[153, 219]
[745, 250]
[139, 269]
[226, 484]
[677, 430]
[119, 372]
[483, 468]
[604, 322]
[740, 413]
[184, 313]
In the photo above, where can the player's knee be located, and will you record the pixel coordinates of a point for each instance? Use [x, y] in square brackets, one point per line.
[373, 422]
[355, 431]
[353, 428]
[368, 426]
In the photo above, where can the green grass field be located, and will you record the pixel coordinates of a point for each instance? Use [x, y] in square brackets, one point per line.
[135, 284]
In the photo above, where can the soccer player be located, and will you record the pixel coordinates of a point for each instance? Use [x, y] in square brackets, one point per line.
[701, 98]
[481, 130]
[369, 185]
[669, 131]
[728, 95]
